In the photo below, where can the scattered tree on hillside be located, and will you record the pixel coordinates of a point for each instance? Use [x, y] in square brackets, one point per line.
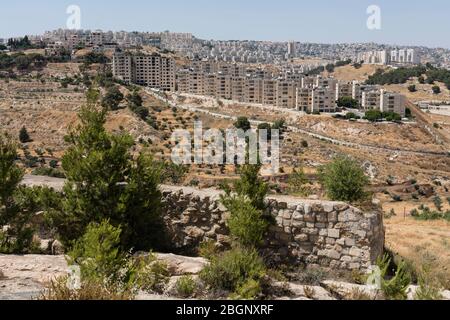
[243, 124]
[436, 89]
[344, 180]
[24, 137]
[112, 99]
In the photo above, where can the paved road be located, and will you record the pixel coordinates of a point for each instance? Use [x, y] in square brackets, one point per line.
[302, 131]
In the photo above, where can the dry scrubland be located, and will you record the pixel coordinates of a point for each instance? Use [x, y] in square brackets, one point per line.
[424, 91]
[48, 111]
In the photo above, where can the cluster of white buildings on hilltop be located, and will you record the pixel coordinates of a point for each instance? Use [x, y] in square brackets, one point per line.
[100, 40]
[238, 82]
[394, 57]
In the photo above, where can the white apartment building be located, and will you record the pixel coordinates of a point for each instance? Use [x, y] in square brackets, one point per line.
[154, 70]
[383, 57]
[383, 101]
[405, 56]
[374, 57]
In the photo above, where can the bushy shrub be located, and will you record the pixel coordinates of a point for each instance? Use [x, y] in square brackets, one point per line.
[98, 253]
[298, 183]
[429, 287]
[249, 290]
[89, 290]
[232, 269]
[438, 203]
[347, 102]
[344, 180]
[311, 276]
[425, 214]
[208, 250]
[246, 223]
[250, 185]
[186, 286]
[151, 275]
[48, 172]
[172, 173]
[396, 287]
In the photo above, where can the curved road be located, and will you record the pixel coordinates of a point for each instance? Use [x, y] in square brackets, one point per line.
[303, 131]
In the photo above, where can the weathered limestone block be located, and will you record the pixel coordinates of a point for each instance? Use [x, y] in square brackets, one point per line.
[334, 233]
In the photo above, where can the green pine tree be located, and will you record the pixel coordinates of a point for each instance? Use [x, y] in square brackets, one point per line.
[105, 182]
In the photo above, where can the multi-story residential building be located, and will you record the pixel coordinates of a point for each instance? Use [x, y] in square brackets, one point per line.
[383, 101]
[303, 93]
[153, 70]
[314, 100]
[392, 102]
[223, 86]
[323, 100]
[183, 80]
[370, 100]
[303, 99]
[238, 88]
[374, 57]
[74, 41]
[286, 94]
[253, 90]
[209, 85]
[358, 90]
[405, 56]
[196, 83]
[292, 50]
[321, 82]
[95, 39]
[123, 67]
[344, 89]
[384, 57]
[308, 82]
[269, 92]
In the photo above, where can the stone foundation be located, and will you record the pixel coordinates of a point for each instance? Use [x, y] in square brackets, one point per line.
[329, 234]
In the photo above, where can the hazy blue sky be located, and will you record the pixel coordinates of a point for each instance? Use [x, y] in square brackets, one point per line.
[405, 22]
